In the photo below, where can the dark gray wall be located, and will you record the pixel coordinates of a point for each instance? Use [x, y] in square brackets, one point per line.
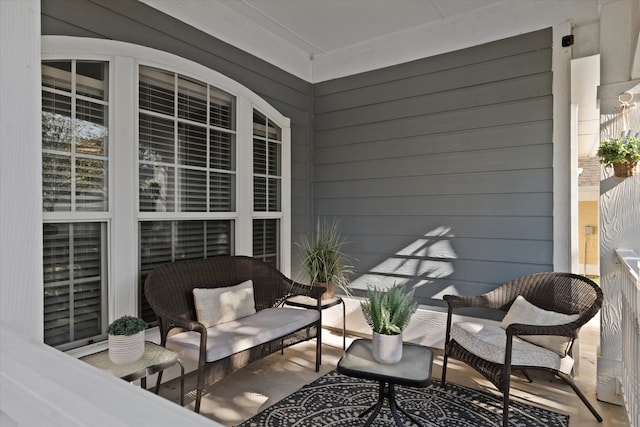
[134, 22]
[440, 170]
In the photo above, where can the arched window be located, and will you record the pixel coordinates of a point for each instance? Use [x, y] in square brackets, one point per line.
[148, 158]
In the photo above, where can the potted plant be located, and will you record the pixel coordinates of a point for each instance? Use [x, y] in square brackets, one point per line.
[622, 153]
[388, 313]
[126, 339]
[324, 260]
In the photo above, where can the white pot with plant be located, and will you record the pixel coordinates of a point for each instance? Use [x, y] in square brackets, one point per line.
[388, 312]
[126, 339]
[324, 260]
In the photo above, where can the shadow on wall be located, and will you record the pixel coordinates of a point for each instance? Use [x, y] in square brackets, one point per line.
[421, 265]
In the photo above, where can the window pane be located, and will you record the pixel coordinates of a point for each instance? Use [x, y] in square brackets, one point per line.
[156, 90]
[91, 79]
[221, 110]
[193, 190]
[274, 194]
[156, 139]
[56, 122]
[167, 241]
[192, 100]
[222, 150]
[192, 145]
[221, 192]
[259, 194]
[265, 240]
[56, 182]
[259, 124]
[91, 185]
[73, 282]
[156, 190]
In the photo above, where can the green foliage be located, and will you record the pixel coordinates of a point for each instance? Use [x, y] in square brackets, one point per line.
[126, 325]
[620, 150]
[323, 257]
[388, 312]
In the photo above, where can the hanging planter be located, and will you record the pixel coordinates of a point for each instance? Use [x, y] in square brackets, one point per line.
[622, 153]
[627, 169]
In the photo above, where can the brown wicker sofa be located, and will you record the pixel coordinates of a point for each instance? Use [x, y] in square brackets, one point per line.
[224, 348]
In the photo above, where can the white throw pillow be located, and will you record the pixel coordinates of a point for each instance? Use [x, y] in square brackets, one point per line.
[522, 311]
[220, 305]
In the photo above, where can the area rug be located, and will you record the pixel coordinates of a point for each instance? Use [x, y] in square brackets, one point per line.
[336, 400]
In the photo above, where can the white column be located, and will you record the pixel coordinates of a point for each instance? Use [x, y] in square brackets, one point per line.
[21, 289]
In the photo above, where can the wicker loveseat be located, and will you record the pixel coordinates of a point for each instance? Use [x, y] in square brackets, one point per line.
[225, 347]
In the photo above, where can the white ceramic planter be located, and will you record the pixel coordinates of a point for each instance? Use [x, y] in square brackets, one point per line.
[386, 349]
[125, 349]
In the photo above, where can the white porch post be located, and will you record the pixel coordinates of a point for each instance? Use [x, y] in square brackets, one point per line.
[619, 225]
[21, 294]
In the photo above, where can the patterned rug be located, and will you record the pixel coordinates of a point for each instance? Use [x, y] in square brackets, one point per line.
[336, 400]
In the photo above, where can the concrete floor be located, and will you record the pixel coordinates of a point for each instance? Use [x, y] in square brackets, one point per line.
[244, 393]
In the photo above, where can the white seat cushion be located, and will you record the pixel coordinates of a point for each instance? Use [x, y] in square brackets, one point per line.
[488, 342]
[228, 338]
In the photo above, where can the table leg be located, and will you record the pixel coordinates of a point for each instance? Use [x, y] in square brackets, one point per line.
[389, 392]
[344, 325]
[394, 405]
[375, 407]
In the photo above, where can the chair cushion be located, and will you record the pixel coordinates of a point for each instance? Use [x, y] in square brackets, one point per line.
[220, 305]
[522, 311]
[225, 339]
[488, 342]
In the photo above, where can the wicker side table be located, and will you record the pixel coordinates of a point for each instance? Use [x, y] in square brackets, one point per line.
[303, 301]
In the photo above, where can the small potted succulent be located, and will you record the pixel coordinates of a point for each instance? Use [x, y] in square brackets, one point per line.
[126, 339]
[388, 312]
[622, 153]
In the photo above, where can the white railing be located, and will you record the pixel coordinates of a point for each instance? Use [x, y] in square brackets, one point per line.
[629, 266]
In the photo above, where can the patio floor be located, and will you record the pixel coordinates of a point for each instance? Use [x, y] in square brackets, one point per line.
[244, 393]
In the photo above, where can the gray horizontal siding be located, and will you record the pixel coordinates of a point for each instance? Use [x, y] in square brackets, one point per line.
[440, 170]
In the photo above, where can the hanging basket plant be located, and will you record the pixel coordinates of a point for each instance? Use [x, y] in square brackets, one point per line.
[622, 153]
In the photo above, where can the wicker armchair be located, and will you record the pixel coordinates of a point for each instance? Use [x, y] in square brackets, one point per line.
[169, 291]
[498, 351]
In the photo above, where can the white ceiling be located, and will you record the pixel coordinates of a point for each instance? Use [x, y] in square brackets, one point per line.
[319, 40]
[324, 26]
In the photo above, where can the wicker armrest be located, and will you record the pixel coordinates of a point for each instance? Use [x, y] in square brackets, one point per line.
[459, 301]
[306, 290]
[566, 330]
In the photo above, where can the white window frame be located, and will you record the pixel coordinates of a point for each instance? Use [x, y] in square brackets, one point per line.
[122, 217]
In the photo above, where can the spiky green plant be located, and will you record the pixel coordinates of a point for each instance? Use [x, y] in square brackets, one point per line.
[388, 312]
[126, 325]
[620, 150]
[323, 257]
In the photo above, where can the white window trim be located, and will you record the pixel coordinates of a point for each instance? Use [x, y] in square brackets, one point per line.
[124, 59]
